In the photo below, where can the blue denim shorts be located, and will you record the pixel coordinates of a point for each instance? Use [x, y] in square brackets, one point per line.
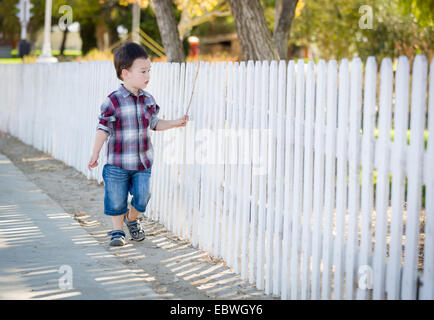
[118, 182]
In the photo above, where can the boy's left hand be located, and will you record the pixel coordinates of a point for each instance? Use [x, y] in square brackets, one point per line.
[181, 122]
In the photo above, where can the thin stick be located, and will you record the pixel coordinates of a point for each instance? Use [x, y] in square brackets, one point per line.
[192, 91]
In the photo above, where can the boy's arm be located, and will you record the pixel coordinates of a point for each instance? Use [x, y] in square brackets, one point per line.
[100, 137]
[165, 125]
[105, 125]
[104, 130]
[158, 124]
[169, 124]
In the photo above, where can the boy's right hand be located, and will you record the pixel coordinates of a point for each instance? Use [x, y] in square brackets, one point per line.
[93, 162]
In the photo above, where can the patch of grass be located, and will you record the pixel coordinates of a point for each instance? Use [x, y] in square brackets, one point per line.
[10, 60]
[66, 52]
[392, 135]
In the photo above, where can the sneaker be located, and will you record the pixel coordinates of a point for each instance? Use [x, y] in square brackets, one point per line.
[118, 238]
[135, 229]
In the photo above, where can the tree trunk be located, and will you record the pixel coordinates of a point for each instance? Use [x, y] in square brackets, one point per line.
[169, 30]
[101, 29]
[62, 46]
[277, 12]
[253, 33]
[88, 36]
[136, 23]
[285, 10]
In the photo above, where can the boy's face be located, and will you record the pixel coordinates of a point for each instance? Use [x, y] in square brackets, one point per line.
[138, 74]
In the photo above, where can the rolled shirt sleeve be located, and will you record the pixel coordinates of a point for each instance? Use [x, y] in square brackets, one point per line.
[107, 117]
[154, 119]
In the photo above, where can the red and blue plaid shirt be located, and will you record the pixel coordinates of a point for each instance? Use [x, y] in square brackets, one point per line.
[126, 117]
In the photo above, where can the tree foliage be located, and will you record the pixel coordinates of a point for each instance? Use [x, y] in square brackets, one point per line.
[422, 10]
[333, 28]
[197, 8]
[9, 23]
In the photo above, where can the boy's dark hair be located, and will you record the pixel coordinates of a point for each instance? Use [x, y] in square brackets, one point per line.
[125, 55]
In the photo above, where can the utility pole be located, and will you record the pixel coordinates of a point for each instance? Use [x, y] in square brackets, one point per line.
[46, 47]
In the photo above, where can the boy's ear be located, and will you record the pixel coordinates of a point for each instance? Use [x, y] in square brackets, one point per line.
[124, 73]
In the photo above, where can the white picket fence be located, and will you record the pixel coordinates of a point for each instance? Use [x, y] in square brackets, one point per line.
[286, 198]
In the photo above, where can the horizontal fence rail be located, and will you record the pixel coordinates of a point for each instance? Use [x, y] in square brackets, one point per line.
[311, 181]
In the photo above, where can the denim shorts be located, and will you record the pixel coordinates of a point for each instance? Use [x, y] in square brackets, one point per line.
[118, 182]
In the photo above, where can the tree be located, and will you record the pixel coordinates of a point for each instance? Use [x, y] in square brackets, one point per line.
[333, 29]
[9, 23]
[195, 12]
[93, 16]
[256, 39]
[253, 33]
[172, 32]
[422, 10]
[285, 12]
[167, 24]
[98, 17]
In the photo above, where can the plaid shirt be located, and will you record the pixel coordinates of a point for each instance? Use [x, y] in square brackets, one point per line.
[125, 117]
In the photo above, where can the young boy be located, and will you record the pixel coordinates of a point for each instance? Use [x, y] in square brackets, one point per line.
[125, 117]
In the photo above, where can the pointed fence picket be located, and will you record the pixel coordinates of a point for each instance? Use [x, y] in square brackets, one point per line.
[427, 290]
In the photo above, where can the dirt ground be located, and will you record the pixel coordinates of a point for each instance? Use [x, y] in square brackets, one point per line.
[177, 270]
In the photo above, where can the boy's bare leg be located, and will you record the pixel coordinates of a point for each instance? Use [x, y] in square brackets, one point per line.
[118, 222]
[132, 214]
[134, 227]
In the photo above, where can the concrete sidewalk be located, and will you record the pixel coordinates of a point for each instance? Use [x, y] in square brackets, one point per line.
[46, 254]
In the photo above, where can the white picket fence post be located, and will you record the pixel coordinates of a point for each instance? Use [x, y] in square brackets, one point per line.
[280, 160]
[271, 175]
[367, 198]
[263, 161]
[298, 180]
[330, 167]
[275, 171]
[355, 108]
[398, 173]
[289, 176]
[427, 291]
[414, 175]
[318, 188]
[255, 178]
[307, 181]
